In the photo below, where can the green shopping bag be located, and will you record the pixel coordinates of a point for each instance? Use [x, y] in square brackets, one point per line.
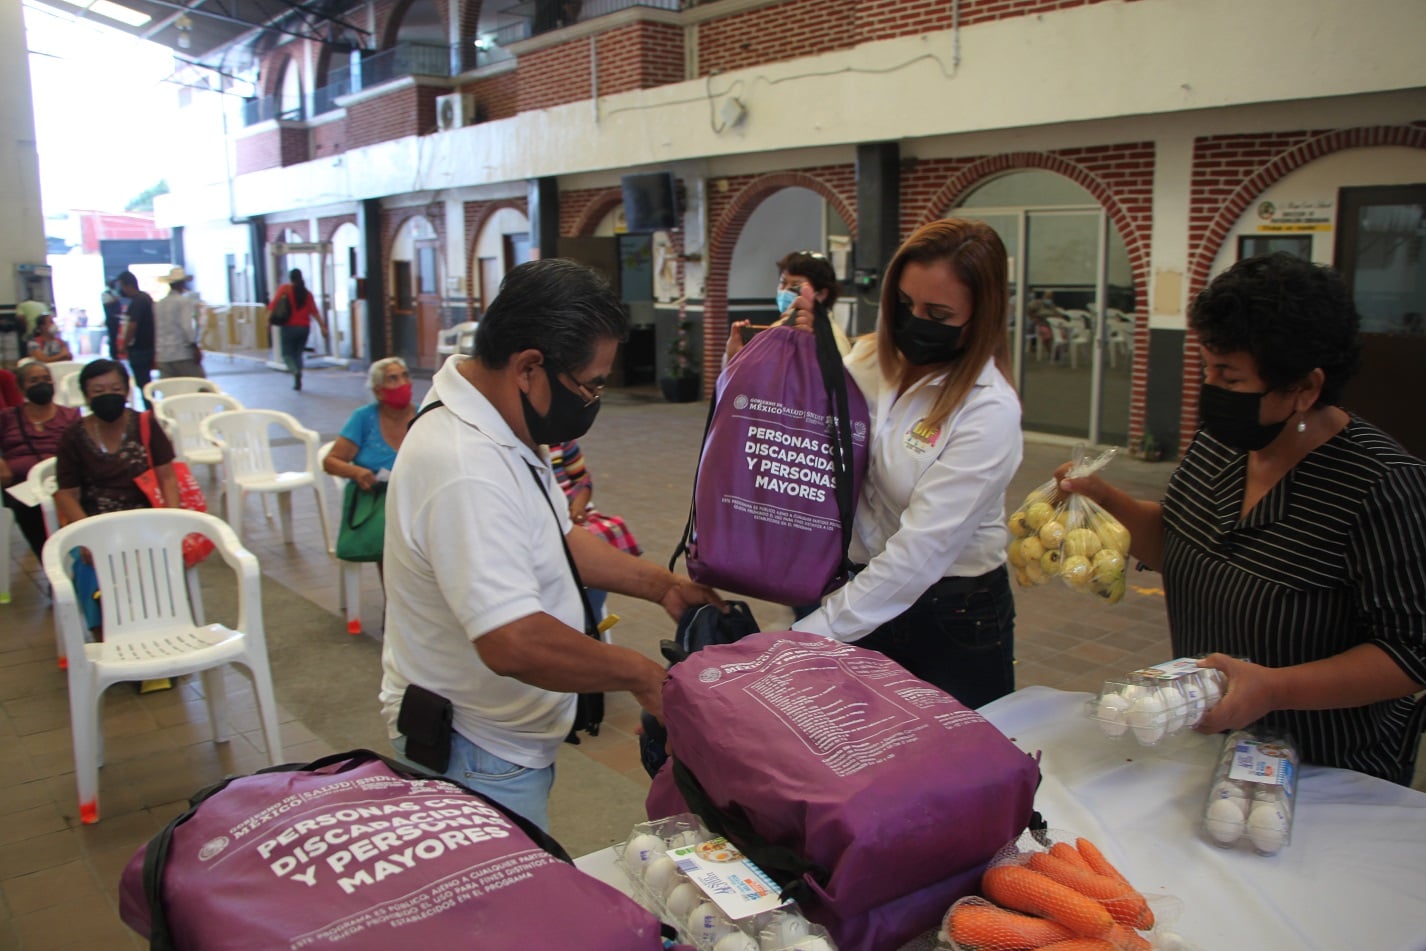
[363, 523]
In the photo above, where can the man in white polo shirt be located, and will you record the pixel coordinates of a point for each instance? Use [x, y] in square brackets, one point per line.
[482, 606]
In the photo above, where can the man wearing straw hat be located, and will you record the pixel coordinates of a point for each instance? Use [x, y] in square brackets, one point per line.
[176, 328]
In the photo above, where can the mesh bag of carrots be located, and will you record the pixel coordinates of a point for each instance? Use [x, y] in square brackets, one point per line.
[1054, 890]
[1069, 537]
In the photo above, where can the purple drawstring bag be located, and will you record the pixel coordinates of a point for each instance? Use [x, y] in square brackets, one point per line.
[783, 458]
[359, 851]
[873, 797]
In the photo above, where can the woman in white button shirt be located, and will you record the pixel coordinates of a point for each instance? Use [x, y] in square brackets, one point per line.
[930, 523]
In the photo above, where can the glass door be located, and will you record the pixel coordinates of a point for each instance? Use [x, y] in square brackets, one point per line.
[1380, 234]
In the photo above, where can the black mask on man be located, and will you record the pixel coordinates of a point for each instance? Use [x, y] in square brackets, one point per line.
[568, 417]
[924, 341]
[108, 406]
[1232, 418]
[41, 394]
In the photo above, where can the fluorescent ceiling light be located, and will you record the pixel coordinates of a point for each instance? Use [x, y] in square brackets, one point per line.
[112, 10]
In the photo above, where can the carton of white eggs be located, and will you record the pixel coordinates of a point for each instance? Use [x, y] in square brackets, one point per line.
[1252, 794]
[664, 874]
[1156, 702]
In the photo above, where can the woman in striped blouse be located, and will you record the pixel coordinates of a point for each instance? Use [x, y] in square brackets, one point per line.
[1292, 537]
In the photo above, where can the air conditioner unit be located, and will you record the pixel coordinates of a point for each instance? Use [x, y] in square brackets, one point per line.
[454, 110]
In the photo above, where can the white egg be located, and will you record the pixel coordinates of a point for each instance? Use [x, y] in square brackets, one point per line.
[643, 849]
[684, 839]
[737, 941]
[1175, 705]
[782, 932]
[1234, 792]
[1212, 687]
[659, 873]
[1148, 717]
[706, 924]
[1267, 827]
[1224, 821]
[684, 897]
[1112, 708]
[1193, 691]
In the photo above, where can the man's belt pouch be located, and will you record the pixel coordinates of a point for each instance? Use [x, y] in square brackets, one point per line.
[357, 851]
[783, 458]
[425, 720]
[873, 796]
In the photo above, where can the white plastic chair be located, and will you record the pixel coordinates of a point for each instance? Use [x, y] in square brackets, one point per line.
[43, 482]
[457, 339]
[349, 577]
[242, 435]
[1070, 335]
[152, 627]
[182, 419]
[349, 573]
[165, 387]
[65, 374]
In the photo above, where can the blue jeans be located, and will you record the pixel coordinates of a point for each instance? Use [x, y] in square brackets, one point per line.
[517, 788]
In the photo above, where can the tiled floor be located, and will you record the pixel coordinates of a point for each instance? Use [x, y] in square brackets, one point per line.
[59, 879]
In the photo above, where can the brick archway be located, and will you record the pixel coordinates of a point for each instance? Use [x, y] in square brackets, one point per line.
[594, 212]
[475, 224]
[723, 238]
[1210, 228]
[1136, 240]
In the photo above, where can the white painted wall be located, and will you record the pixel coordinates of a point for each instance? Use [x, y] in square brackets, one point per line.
[787, 220]
[22, 239]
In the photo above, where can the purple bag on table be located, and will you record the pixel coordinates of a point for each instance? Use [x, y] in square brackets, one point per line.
[875, 798]
[359, 851]
[783, 457]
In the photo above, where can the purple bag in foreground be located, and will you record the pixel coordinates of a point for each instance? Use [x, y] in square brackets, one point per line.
[888, 793]
[360, 852]
[766, 520]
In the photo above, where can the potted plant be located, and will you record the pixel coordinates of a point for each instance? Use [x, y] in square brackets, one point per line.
[681, 378]
[1148, 449]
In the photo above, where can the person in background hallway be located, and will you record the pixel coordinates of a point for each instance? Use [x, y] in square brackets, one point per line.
[483, 605]
[138, 330]
[293, 334]
[793, 271]
[46, 345]
[176, 328]
[945, 443]
[1292, 536]
[113, 318]
[567, 460]
[365, 452]
[30, 433]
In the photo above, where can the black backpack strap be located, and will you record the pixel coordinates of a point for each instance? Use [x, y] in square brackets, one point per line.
[782, 864]
[834, 378]
[156, 854]
[688, 526]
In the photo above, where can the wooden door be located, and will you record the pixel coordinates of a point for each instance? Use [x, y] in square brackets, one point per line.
[403, 313]
[428, 303]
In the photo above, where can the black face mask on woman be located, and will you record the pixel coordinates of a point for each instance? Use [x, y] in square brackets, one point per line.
[568, 417]
[1232, 418]
[41, 394]
[924, 341]
[108, 406]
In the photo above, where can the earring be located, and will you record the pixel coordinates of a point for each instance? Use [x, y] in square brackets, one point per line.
[1302, 425]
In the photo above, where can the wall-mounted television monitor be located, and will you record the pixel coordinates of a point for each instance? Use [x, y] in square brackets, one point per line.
[650, 202]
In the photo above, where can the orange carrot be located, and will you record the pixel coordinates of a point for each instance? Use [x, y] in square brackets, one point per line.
[1063, 850]
[1017, 887]
[974, 926]
[1125, 904]
[1102, 865]
[1079, 944]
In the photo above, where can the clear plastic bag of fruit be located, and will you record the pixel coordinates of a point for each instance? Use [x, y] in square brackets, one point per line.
[1094, 553]
[1036, 534]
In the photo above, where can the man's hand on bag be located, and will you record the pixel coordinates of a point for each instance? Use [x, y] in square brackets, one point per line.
[684, 593]
[650, 693]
